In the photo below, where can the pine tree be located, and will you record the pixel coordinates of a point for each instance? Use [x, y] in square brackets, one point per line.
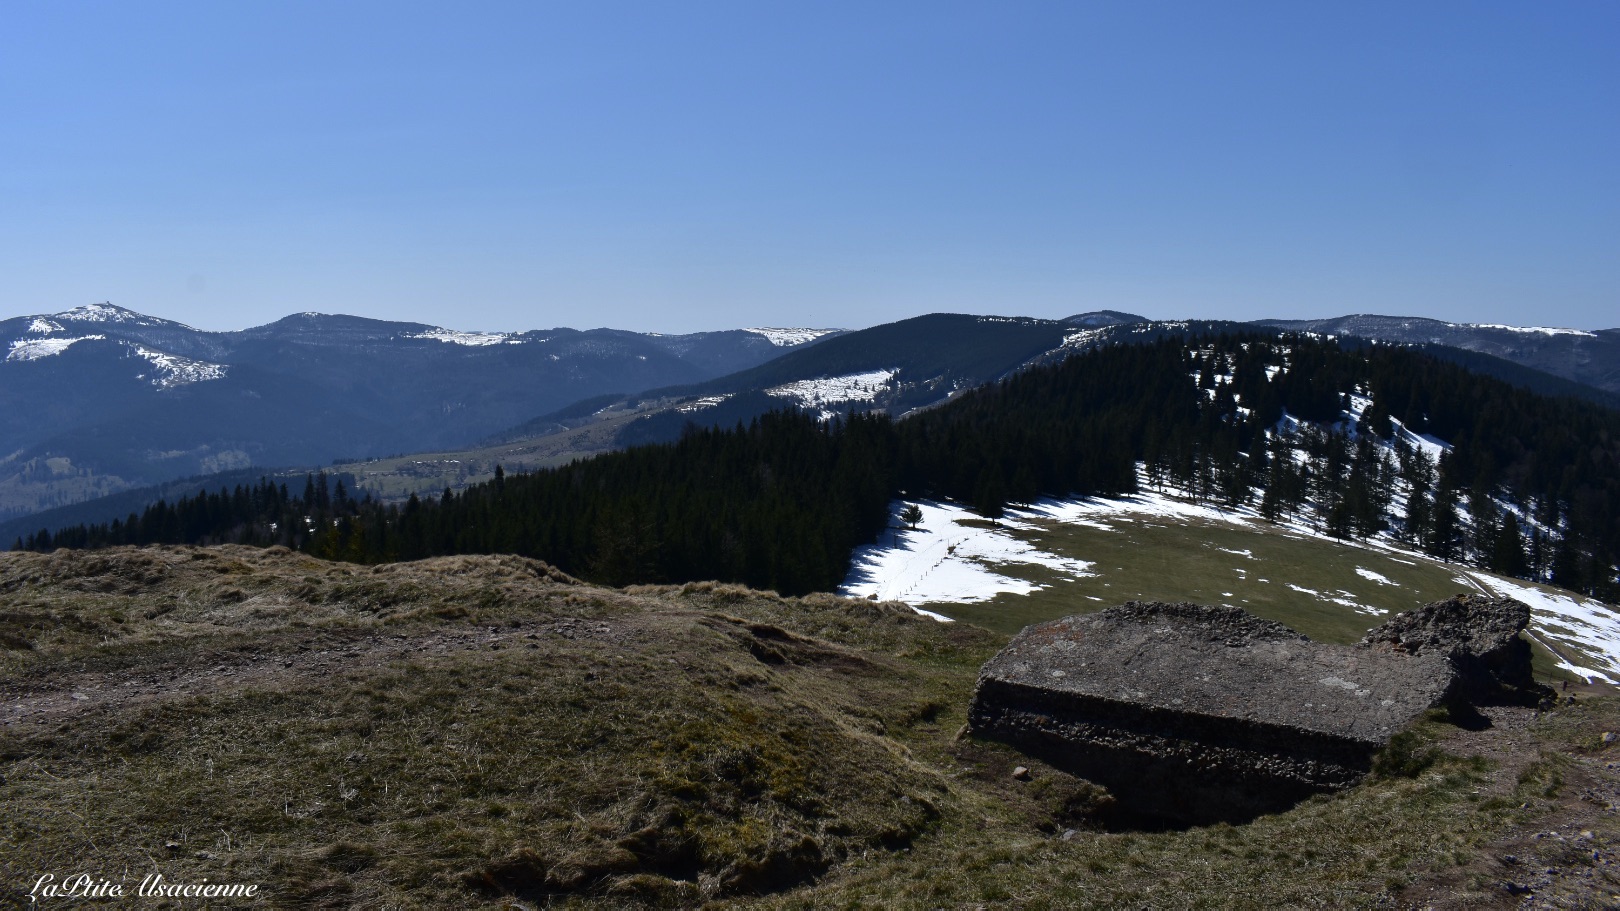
[1507, 548]
[911, 515]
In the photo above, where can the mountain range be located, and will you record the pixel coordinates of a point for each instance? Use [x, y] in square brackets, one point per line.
[101, 399]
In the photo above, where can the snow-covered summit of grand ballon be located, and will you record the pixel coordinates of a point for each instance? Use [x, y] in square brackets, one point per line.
[107, 312]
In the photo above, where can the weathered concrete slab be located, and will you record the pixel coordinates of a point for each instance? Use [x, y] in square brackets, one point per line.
[1201, 713]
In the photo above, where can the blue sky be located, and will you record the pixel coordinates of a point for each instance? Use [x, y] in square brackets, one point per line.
[685, 166]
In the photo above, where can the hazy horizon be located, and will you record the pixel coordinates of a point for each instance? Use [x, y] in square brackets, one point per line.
[761, 325]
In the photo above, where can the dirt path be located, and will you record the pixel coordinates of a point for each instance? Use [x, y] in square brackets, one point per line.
[1568, 855]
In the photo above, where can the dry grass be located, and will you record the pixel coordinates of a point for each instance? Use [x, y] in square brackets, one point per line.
[476, 731]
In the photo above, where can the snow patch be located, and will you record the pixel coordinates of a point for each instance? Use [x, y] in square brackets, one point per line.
[172, 370]
[1582, 623]
[32, 349]
[708, 401]
[471, 339]
[1146, 503]
[852, 387]
[787, 338]
[1371, 576]
[946, 561]
[1541, 330]
[1080, 338]
[43, 326]
[1340, 597]
[1428, 444]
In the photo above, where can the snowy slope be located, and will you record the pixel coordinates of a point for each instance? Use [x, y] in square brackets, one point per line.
[469, 339]
[29, 349]
[821, 392]
[945, 562]
[787, 338]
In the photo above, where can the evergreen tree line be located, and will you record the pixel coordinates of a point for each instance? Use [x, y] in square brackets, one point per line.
[1530, 485]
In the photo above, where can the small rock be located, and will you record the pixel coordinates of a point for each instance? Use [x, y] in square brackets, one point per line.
[1609, 737]
[172, 845]
[1021, 773]
[1069, 834]
[79, 697]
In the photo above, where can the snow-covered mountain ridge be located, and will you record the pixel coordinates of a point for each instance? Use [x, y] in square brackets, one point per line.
[100, 398]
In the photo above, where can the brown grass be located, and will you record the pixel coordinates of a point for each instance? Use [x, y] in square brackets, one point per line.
[479, 731]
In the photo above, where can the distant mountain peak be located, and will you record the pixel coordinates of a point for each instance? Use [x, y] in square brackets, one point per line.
[105, 312]
[1096, 319]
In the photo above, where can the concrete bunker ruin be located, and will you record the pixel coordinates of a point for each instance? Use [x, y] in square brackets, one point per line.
[1191, 714]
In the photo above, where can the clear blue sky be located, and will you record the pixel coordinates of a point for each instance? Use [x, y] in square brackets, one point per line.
[683, 166]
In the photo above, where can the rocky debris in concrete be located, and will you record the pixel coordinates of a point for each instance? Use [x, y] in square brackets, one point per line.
[1194, 714]
[1478, 635]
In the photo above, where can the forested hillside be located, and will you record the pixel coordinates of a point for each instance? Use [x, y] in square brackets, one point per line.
[1361, 440]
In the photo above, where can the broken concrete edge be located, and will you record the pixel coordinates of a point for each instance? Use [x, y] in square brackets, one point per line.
[1481, 637]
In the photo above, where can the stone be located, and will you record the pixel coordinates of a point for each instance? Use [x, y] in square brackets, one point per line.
[1021, 773]
[1192, 715]
[1478, 635]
